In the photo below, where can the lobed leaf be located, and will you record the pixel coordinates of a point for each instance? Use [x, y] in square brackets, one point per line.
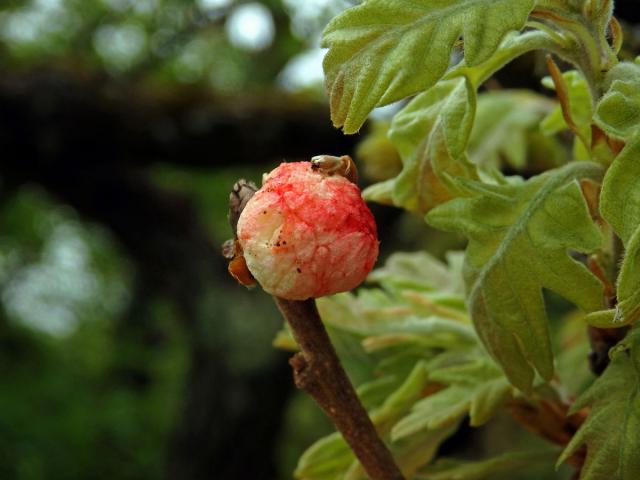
[502, 128]
[382, 51]
[628, 283]
[610, 432]
[419, 271]
[433, 131]
[618, 114]
[519, 238]
[477, 388]
[431, 135]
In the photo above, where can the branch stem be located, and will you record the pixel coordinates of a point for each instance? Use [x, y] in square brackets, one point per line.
[318, 371]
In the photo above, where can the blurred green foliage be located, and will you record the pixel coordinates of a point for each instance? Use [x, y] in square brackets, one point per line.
[230, 46]
[68, 395]
[93, 372]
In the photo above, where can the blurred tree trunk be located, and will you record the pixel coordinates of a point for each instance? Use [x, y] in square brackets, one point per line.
[90, 146]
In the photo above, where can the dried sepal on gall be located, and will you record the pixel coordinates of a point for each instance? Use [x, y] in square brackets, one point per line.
[237, 267]
[306, 234]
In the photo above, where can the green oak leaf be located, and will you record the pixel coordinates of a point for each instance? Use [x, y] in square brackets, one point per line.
[382, 51]
[426, 321]
[618, 114]
[628, 283]
[477, 388]
[503, 125]
[573, 372]
[520, 235]
[570, 5]
[326, 459]
[596, 11]
[610, 432]
[381, 192]
[420, 271]
[431, 135]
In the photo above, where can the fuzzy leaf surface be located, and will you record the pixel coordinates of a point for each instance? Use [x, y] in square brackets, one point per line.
[610, 432]
[519, 238]
[477, 388]
[618, 114]
[504, 122]
[384, 50]
[431, 135]
[420, 271]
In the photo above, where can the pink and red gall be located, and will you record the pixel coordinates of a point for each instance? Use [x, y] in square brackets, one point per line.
[306, 234]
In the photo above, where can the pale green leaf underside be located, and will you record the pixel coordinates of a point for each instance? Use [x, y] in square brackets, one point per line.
[440, 135]
[618, 114]
[384, 50]
[477, 388]
[503, 123]
[520, 237]
[628, 288]
[381, 192]
[610, 432]
[420, 271]
[431, 134]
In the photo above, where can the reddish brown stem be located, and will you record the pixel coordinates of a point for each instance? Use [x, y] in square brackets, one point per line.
[318, 371]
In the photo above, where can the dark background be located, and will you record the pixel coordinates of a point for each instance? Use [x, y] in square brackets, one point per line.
[126, 352]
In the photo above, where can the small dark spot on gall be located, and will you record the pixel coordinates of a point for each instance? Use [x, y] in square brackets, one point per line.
[298, 270]
[284, 242]
[264, 212]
